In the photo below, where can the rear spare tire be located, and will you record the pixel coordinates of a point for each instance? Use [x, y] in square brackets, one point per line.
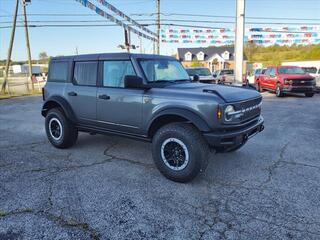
[180, 152]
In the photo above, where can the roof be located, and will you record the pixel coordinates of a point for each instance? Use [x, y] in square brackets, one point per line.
[105, 56]
[208, 52]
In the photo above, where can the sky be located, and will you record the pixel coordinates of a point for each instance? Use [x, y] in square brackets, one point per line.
[67, 41]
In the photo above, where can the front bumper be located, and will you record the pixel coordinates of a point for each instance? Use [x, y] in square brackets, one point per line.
[298, 89]
[234, 137]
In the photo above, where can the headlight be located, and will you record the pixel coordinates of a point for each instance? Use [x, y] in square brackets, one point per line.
[288, 82]
[228, 113]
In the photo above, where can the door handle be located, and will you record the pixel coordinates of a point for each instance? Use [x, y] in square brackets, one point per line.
[104, 96]
[72, 94]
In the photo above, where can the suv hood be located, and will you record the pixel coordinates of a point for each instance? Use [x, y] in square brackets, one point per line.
[227, 93]
[297, 76]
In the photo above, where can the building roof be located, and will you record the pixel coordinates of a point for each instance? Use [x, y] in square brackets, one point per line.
[208, 52]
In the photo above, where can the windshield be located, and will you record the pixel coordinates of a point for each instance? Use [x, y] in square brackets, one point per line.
[312, 70]
[199, 71]
[163, 70]
[291, 70]
[226, 72]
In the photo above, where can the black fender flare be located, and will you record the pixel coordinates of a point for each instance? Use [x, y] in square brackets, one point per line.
[57, 101]
[192, 117]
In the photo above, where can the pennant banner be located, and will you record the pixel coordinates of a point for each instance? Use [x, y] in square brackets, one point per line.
[261, 36]
[102, 13]
[126, 17]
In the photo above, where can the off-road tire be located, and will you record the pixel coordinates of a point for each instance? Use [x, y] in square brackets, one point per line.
[69, 133]
[309, 94]
[279, 92]
[197, 148]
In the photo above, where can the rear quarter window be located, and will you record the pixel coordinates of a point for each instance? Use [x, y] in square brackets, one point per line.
[58, 71]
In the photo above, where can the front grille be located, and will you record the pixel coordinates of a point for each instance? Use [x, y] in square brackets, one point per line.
[251, 109]
[302, 82]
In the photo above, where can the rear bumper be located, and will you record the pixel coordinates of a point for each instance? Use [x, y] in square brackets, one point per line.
[235, 137]
[299, 89]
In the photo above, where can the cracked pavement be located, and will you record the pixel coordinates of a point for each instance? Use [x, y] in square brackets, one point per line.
[107, 187]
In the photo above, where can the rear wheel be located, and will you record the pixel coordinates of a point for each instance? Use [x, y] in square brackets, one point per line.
[279, 92]
[60, 131]
[180, 152]
[309, 94]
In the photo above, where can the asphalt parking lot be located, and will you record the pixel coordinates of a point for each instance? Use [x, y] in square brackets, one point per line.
[108, 187]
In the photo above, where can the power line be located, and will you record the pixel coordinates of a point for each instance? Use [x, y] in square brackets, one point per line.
[168, 14]
[166, 20]
[151, 24]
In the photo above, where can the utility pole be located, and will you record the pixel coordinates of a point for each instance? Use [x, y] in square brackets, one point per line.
[158, 26]
[240, 5]
[127, 40]
[6, 74]
[24, 2]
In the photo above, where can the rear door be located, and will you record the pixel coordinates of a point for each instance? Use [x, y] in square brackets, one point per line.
[273, 79]
[264, 79]
[82, 92]
[118, 108]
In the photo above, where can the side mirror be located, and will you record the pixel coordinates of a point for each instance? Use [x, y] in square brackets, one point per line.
[196, 78]
[132, 81]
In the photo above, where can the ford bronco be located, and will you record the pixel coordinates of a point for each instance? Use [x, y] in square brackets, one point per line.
[150, 98]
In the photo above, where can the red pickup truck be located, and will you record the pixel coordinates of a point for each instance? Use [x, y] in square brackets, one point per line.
[286, 79]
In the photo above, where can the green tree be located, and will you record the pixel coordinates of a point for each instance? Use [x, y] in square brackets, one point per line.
[43, 56]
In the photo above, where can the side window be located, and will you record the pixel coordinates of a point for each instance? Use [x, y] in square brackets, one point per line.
[272, 72]
[115, 71]
[85, 73]
[267, 72]
[58, 71]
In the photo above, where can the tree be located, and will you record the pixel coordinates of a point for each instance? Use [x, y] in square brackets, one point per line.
[43, 56]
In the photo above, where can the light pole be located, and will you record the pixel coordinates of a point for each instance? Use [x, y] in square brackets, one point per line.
[240, 5]
[24, 3]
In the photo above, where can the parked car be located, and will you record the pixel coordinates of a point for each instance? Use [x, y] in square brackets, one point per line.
[314, 72]
[286, 79]
[203, 73]
[225, 76]
[149, 98]
[255, 75]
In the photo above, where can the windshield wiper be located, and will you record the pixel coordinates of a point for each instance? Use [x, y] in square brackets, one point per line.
[163, 81]
[182, 80]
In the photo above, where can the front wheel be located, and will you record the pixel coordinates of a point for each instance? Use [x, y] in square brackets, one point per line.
[279, 92]
[309, 94]
[180, 152]
[60, 131]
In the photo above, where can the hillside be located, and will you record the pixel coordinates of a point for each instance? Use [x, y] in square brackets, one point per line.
[277, 54]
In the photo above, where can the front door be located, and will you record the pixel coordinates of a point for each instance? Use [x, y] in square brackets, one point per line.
[118, 108]
[82, 92]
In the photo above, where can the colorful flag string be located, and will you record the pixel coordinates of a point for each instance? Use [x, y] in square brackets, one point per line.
[104, 14]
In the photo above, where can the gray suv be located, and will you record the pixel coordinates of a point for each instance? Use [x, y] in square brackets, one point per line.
[149, 98]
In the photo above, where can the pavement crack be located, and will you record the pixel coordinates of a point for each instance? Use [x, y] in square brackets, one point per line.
[276, 164]
[59, 220]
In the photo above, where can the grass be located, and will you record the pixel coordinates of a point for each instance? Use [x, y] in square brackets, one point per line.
[12, 95]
